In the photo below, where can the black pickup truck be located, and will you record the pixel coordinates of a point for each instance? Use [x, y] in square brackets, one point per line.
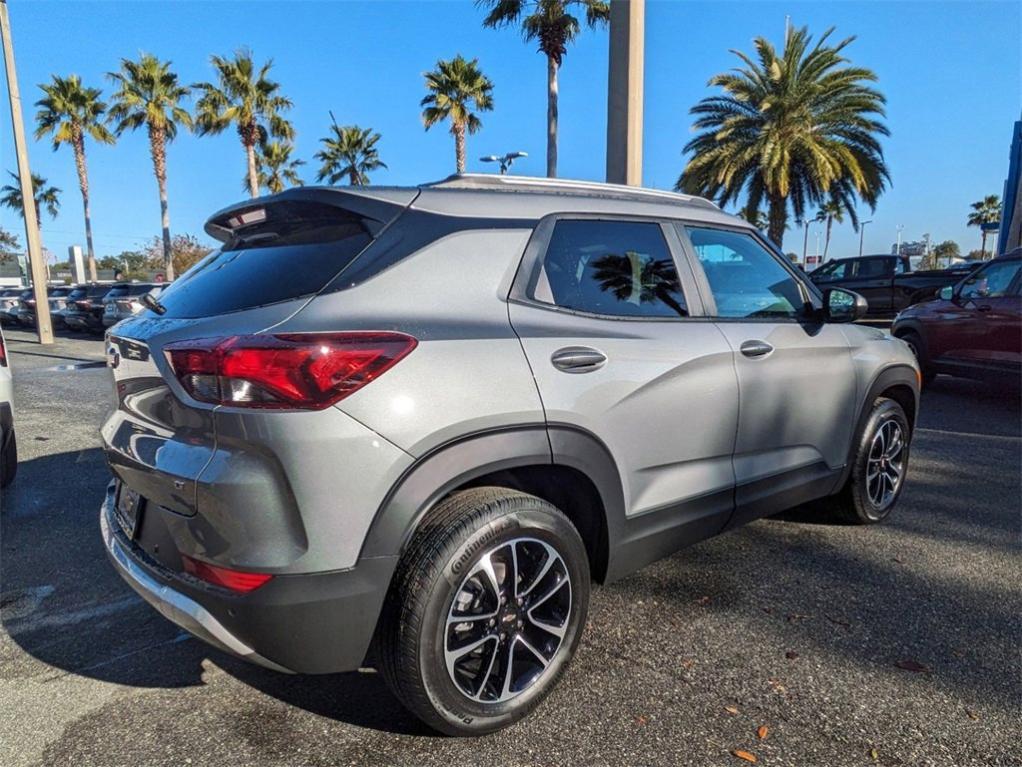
[886, 282]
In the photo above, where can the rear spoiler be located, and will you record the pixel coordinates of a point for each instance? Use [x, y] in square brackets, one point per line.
[378, 206]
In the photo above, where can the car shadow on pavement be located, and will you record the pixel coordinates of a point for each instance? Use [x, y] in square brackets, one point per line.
[65, 606]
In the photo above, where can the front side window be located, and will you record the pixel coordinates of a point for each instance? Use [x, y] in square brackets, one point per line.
[993, 281]
[832, 270]
[746, 280]
[616, 268]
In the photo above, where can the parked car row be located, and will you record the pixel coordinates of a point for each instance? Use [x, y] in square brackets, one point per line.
[886, 282]
[90, 307]
[974, 328]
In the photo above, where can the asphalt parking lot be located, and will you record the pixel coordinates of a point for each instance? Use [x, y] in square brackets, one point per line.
[892, 645]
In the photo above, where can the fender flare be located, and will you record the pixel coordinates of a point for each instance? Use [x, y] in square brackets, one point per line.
[455, 463]
[897, 374]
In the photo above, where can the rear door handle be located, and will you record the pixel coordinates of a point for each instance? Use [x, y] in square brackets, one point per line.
[984, 308]
[755, 348]
[578, 359]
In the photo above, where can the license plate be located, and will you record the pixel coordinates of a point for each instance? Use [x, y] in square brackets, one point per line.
[128, 510]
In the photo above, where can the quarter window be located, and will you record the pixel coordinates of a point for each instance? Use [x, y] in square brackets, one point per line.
[746, 280]
[616, 268]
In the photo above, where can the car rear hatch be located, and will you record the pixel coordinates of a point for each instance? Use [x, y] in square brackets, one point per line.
[277, 253]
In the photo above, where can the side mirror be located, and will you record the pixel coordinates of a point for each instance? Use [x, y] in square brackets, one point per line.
[947, 293]
[840, 305]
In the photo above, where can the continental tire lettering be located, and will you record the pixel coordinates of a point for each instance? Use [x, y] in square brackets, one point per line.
[466, 557]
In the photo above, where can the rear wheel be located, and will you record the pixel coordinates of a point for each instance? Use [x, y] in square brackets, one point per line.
[486, 610]
[879, 466]
[915, 344]
[8, 458]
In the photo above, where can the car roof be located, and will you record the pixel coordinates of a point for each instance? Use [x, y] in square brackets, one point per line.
[479, 195]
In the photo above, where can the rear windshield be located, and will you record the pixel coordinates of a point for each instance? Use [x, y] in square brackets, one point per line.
[118, 292]
[59, 292]
[278, 260]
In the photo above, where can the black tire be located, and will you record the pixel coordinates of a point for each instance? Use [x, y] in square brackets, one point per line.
[8, 459]
[915, 343]
[856, 502]
[436, 569]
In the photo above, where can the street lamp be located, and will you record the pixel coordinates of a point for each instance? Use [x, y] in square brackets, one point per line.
[862, 229]
[505, 161]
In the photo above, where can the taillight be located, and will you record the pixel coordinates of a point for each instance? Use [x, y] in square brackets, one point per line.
[235, 580]
[84, 305]
[3, 353]
[286, 371]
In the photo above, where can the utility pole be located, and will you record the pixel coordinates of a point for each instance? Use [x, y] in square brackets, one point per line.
[624, 91]
[897, 251]
[805, 241]
[44, 327]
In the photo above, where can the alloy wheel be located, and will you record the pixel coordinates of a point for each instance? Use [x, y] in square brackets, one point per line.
[885, 464]
[508, 620]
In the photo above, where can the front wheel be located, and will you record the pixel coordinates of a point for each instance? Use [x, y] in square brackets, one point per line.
[485, 612]
[879, 466]
[915, 345]
[8, 458]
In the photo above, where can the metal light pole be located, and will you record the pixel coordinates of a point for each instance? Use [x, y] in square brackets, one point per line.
[44, 327]
[504, 160]
[862, 231]
[805, 241]
[897, 251]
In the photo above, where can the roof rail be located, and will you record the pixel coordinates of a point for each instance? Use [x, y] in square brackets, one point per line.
[563, 186]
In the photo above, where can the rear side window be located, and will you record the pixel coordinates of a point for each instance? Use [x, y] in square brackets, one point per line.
[876, 267]
[294, 254]
[746, 280]
[615, 268]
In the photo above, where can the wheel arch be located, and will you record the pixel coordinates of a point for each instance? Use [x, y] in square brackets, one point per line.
[566, 466]
[899, 382]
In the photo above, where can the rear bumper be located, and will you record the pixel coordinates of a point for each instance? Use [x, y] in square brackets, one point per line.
[310, 624]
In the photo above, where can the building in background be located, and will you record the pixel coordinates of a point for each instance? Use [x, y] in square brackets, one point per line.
[1011, 216]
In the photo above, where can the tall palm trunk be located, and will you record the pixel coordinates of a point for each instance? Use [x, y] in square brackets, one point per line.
[551, 117]
[458, 130]
[353, 176]
[778, 219]
[253, 174]
[826, 242]
[78, 142]
[158, 149]
[983, 244]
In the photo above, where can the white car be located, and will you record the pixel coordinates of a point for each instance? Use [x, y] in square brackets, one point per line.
[8, 445]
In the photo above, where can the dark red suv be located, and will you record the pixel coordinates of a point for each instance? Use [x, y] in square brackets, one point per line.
[973, 329]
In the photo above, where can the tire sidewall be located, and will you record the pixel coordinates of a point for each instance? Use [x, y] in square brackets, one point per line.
[883, 410]
[459, 714]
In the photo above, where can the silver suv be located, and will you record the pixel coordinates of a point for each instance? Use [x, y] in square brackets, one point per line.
[408, 426]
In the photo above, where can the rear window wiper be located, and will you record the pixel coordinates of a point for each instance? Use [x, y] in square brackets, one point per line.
[149, 302]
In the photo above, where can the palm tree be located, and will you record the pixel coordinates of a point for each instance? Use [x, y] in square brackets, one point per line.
[985, 211]
[794, 128]
[70, 112]
[149, 94]
[454, 87]
[350, 153]
[834, 210]
[42, 196]
[549, 22]
[275, 168]
[247, 99]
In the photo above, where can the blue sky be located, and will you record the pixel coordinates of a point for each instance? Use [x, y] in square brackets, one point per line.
[952, 73]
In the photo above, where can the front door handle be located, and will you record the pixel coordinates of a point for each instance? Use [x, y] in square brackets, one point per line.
[755, 348]
[578, 359]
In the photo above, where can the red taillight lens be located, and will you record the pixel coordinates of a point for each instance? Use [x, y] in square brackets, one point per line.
[288, 371]
[235, 580]
[3, 353]
[84, 305]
